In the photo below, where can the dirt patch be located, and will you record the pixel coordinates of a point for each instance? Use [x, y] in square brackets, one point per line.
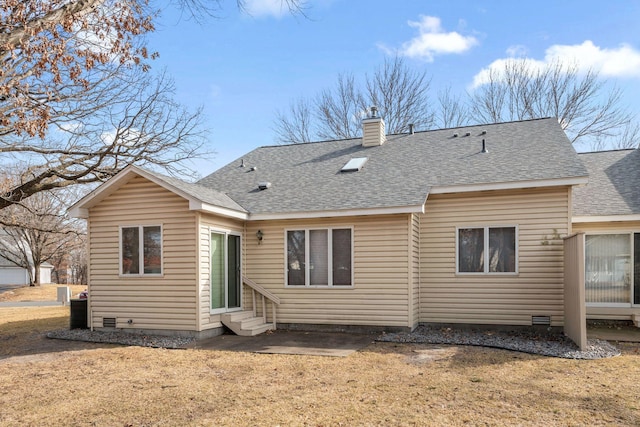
[431, 353]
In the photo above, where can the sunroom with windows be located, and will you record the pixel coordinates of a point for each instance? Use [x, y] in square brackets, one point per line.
[612, 269]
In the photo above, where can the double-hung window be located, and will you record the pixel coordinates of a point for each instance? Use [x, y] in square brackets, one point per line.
[487, 250]
[612, 269]
[319, 257]
[141, 250]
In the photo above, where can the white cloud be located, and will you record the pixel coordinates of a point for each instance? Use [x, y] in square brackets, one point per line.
[260, 8]
[433, 40]
[127, 137]
[71, 126]
[623, 61]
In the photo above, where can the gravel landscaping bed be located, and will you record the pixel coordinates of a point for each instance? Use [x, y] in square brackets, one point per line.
[545, 343]
[124, 338]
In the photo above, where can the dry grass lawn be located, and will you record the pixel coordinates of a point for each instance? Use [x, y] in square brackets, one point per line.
[38, 293]
[64, 383]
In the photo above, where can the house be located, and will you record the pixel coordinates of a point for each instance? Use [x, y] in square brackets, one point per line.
[11, 274]
[607, 212]
[384, 232]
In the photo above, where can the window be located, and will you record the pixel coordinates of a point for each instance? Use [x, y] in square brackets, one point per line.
[612, 268]
[487, 250]
[141, 250]
[319, 257]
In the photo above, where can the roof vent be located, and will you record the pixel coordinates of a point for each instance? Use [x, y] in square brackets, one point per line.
[484, 132]
[264, 185]
[242, 163]
[455, 135]
[354, 165]
[467, 134]
[411, 128]
[253, 169]
[484, 146]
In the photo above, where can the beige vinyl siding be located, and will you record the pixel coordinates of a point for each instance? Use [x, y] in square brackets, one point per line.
[541, 218]
[380, 294]
[612, 227]
[208, 224]
[163, 303]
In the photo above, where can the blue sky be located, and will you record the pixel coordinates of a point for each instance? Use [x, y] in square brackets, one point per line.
[243, 68]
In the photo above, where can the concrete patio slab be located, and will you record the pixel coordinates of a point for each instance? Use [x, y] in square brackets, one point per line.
[613, 333]
[290, 342]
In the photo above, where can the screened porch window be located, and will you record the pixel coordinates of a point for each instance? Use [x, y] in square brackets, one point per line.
[487, 250]
[319, 257]
[612, 268]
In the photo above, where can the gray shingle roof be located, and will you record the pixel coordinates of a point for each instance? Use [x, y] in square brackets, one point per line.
[307, 177]
[614, 184]
[199, 192]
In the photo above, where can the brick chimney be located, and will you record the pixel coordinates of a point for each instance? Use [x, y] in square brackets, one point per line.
[373, 130]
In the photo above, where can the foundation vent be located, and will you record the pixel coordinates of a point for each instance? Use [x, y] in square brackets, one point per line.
[108, 322]
[541, 320]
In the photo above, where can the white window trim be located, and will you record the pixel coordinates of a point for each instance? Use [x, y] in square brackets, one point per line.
[629, 304]
[307, 255]
[225, 233]
[486, 251]
[140, 228]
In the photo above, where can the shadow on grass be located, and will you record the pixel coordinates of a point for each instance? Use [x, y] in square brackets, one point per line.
[28, 338]
[610, 401]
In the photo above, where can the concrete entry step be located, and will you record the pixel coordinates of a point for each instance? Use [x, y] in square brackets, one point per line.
[243, 323]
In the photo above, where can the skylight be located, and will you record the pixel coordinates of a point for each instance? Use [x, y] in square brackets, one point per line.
[354, 165]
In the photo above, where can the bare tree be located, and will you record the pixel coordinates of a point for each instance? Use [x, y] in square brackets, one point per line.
[452, 112]
[36, 231]
[399, 93]
[79, 263]
[339, 110]
[48, 50]
[296, 126]
[133, 120]
[76, 71]
[521, 90]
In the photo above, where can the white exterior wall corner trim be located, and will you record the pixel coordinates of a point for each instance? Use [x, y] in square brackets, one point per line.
[198, 272]
[511, 185]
